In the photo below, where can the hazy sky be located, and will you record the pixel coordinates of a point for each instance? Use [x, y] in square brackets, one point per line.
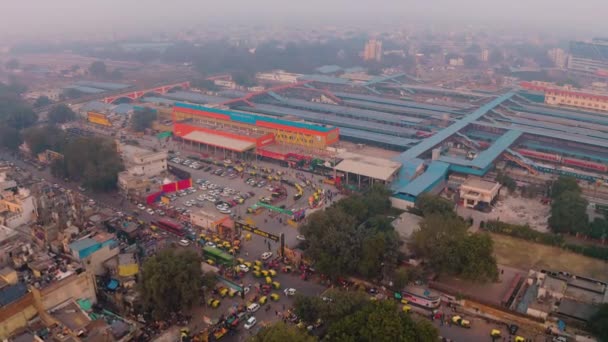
[20, 17]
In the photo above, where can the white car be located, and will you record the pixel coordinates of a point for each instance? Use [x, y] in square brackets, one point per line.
[253, 307]
[184, 243]
[244, 268]
[209, 244]
[300, 237]
[250, 323]
[226, 211]
[141, 207]
[266, 255]
[290, 292]
[150, 211]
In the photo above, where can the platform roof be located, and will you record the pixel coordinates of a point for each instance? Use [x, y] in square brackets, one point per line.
[486, 157]
[103, 85]
[433, 174]
[332, 119]
[447, 132]
[219, 141]
[443, 90]
[376, 137]
[195, 97]
[372, 167]
[324, 79]
[153, 99]
[556, 127]
[398, 110]
[328, 69]
[395, 102]
[86, 90]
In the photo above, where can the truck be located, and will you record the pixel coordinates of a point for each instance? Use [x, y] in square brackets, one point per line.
[457, 320]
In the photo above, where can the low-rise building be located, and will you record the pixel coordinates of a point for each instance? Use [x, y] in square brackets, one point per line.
[17, 208]
[207, 220]
[94, 251]
[476, 190]
[142, 162]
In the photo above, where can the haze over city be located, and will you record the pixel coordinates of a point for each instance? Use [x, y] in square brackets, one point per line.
[303, 171]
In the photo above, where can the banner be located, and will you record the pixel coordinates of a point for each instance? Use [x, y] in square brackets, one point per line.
[255, 230]
[99, 119]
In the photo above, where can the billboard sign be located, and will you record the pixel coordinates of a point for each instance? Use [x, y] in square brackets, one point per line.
[255, 230]
[98, 119]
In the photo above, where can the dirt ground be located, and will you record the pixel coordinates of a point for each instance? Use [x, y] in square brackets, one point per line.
[525, 255]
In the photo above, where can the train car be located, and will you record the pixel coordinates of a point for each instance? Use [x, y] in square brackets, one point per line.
[586, 164]
[540, 155]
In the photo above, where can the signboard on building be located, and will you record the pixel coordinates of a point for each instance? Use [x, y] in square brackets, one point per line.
[98, 119]
[255, 230]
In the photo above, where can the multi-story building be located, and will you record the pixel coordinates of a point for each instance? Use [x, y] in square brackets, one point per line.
[17, 208]
[484, 56]
[568, 96]
[277, 76]
[558, 57]
[372, 50]
[94, 251]
[141, 162]
[589, 58]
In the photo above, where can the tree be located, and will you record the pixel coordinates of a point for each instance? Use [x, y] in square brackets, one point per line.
[599, 229]
[280, 332]
[116, 75]
[98, 69]
[92, 160]
[563, 184]
[170, 282]
[308, 308]
[380, 321]
[401, 278]
[12, 64]
[471, 61]
[9, 138]
[61, 114]
[143, 119]
[71, 93]
[205, 84]
[42, 138]
[443, 241]
[430, 204]
[42, 101]
[569, 213]
[599, 323]
[244, 78]
[495, 56]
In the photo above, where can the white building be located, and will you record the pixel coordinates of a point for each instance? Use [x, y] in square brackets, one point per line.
[142, 162]
[277, 76]
[17, 209]
[558, 57]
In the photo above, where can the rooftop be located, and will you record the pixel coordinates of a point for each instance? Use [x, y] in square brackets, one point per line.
[433, 174]
[219, 141]
[71, 316]
[576, 310]
[376, 168]
[480, 184]
[11, 293]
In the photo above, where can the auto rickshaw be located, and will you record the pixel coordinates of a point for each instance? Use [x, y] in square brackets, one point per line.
[258, 263]
[275, 297]
[276, 285]
[265, 273]
[247, 263]
[232, 292]
[268, 280]
[223, 291]
[217, 241]
[257, 274]
[214, 303]
[406, 308]
[404, 301]
[257, 268]
[519, 339]
[240, 261]
[263, 300]
[210, 262]
[272, 273]
[226, 244]
[495, 333]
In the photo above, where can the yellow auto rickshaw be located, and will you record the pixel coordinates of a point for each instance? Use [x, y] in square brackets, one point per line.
[232, 292]
[275, 297]
[217, 241]
[257, 268]
[226, 244]
[268, 280]
[272, 273]
[276, 285]
[247, 236]
[258, 263]
[210, 262]
[223, 292]
[406, 308]
[495, 333]
[247, 263]
[240, 261]
[404, 301]
[263, 300]
[257, 274]
[265, 273]
[519, 339]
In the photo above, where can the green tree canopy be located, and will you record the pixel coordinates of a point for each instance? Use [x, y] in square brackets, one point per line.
[142, 119]
[98, 69]
[599, 323]
[61, 113]
[569, 213]
[380, 321]
[92, 160]
[281, 332]
[9, 137]
[563, 184]
[448, 248]
[599, 228]
[42, 101]
[430, 204]
[42, 138]
[170, 282]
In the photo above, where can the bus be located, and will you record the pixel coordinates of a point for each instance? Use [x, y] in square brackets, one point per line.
[422, 297]
[217, 255]
[173, 228]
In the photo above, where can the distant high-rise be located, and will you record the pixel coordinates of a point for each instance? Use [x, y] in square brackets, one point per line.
[485, 55]
[589, 58]
[372, 50]
[558, 57]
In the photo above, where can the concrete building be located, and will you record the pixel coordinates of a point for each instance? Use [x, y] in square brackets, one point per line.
[558, 57]
[207, 220]
[94, 251]
[589, 59]
[17, 209]
[142, 162]
[475, 190]
[484, 56]
[277, 76]
[372, 50]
